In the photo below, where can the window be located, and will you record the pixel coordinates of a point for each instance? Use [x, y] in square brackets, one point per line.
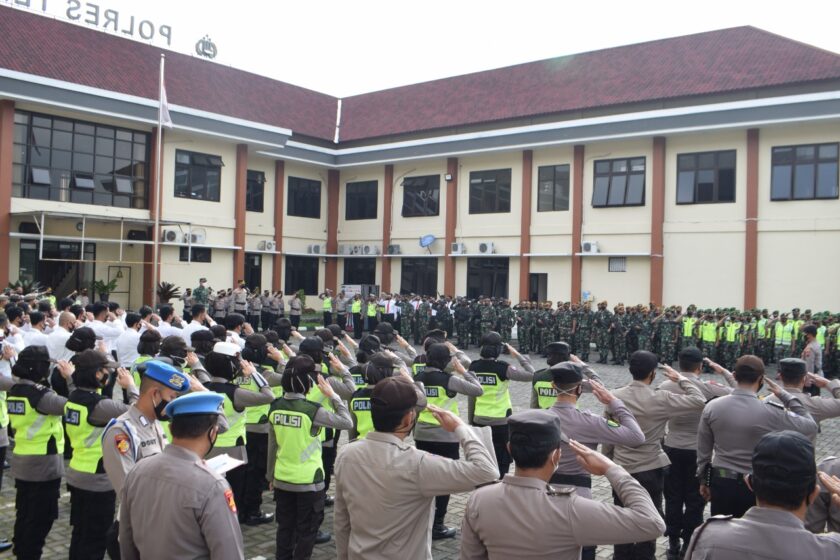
[254, 191]
[419, 276]
[706, 177]
[359, 271]
[196, 254]
[421, 196]
[804, 172]
[198, 176]
[302, 273]
[490, 191]
[617, 264]
[487, 277]
[553, 188]
[304, 198]
[619, 182]
[73, 161]
[361, 200]
[538, 286]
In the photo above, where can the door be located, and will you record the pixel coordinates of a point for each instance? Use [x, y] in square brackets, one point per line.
[253, 271]
[537, 287]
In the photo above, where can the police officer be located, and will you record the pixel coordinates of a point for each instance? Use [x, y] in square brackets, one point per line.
[87, 412]
[327, 306]
[295, 467]
[494, 406]
[37, 465]
[543, 393]
[823, 514]
[683, 502]
[441, 389]
[783, 478]
[794, 374]
[525, 517]
[173, 504]
[732, 426]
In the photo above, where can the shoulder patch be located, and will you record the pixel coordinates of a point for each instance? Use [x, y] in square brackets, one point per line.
[231, 503]
[121, 443]
[560, 491]
[776, 404]
[613, 424]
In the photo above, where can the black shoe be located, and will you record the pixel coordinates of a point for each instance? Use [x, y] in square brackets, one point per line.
[442, 532]
[322, 537]
[260, 518]
[329, 501]
[5, 545]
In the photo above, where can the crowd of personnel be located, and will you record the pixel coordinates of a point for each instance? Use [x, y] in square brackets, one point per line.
[167, 431]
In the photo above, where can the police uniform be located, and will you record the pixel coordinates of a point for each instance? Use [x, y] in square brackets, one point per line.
[823, 515]
[731, 426]
[175, 506]
[785, 462]
[820, 408]
[524, 517]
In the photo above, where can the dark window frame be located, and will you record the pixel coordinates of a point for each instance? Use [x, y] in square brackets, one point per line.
[419, 275]
[199, 163]
[543, 179]
[796, 161]
[617, 264]
[300, 270]
[361, 200]
[488, 272]
[614, 178]
[195, 254]
[483, 200]
[360, 270]
[302, 196]
[694, 163]
[255, 191]
[421, 196]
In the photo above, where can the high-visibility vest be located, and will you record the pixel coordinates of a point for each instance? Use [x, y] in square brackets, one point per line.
[135, 371]
[356, 306]
[298, 459]
[732, 332]
[371, 310]
[708, 331]
[257, 414]
[821, 336]
[358, 379]
[492, 375]
[85, 438]
[544, 388]
[327, 305]
[436, 384]
[36, 433]
[4, 411]
[360, 409]
[784, 333]
[688, 327]
[762, 328]
[235, 434]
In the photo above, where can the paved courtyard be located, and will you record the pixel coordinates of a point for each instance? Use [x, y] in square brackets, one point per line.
[259, 541]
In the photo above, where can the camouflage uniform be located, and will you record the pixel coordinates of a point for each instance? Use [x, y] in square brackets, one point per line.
[506, 318]
[406, 319]
[732, 343]
[618, 333]
[424, 311]
[475, 323]
[667, 348]
[444, 318]
[462, 325]
[583, 332]
[603, 318]
[564, 320]
[644, 331]
[487, 315]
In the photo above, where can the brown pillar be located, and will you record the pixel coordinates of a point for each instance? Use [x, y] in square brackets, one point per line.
[239, 212]
[751, 241]
[657, 217]
[451, 222]
[7, 129]
[331, 271]
[525, 224]
[155, 205]
[279, 200]
[577, 220]
[386, 227]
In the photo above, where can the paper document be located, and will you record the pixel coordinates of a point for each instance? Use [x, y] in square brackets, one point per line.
[223, 463]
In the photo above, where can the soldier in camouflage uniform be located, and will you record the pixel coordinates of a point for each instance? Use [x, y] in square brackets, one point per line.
[603, 317]
[475, 321]
[644, 329]
[668, 326]
[462, 324]
[732, 336]
[487, 314]
[583, 331]
[688, 329]
[444, 317]
[521, 331]
[618, 333]
[564, 321]
[406, 318]
[506, 319]
[424, 315]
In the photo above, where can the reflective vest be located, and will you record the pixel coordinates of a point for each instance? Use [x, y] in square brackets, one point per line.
[316, 396]
[419, 365]
[797, 326]
[360, 409]
[235, 435]
[762, 328]
[821, 336]
[544, 389]
[85, 438]
[732, 332]
[688, 327]
[371, 310]
[298, 459]
[36, 433]
[327, 307]
[358, 379]
[492, 375]
[257, 414]
[784, 333]
[4, 411]
[708, 331]
[135, 372]
[436, 384]
[356, 306]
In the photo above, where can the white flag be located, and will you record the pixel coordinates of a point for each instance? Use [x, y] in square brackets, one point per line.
[165, 119]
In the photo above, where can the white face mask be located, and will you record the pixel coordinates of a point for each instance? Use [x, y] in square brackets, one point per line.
[556, 460]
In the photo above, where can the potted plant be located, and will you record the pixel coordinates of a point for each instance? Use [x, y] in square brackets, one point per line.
[167, 291]
[27, 286]
[103, 288]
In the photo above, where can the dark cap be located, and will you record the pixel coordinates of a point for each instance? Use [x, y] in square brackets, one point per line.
[92, 359]
[438, 354]
[173, 345]
[691, 354]
[784, 460]
[643, 361]
[311, 344]
[793, 367]
[256, 341]
[84, 334]
[749, 364]
[437, 334]
[566, 373]
[370, 344]
[810, 329]
[336, 330]
[202, 335]
[32, 355]
[535, 427]
[393, 394]
[560, 348]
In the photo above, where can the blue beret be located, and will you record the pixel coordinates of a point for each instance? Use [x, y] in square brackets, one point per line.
[167, 374]
[204, 402]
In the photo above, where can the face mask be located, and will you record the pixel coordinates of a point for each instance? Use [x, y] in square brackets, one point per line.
[556, 463]
[179, 361]
[159, 409]
[104, 381]
[212, 439]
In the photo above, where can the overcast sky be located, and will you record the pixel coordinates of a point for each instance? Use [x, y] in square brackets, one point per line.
[349, 47]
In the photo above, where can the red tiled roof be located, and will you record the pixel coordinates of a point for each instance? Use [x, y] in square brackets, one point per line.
[50, 48]
[728, 60]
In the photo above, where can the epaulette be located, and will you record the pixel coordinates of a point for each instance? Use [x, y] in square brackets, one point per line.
[776, 404]
[497, 481]
[560, 491]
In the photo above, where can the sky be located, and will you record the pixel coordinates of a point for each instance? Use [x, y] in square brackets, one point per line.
[349, 47]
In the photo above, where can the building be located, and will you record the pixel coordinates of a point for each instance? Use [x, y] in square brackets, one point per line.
[699, 169]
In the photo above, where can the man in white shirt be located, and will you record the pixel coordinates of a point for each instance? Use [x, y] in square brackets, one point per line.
[106, 325]
[35, 336]
[170, 323]
[199, 316]
[126, 344]
[57, 339]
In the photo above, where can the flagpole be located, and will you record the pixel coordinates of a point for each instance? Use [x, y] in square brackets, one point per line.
[158, 181]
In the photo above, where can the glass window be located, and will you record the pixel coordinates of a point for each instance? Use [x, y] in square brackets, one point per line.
[706, 177]
[196, 254]
[617, 264]
[419, 276]
[200, 179]
[805, 172]
[490, 191]
[619, 182]
[359, 271]
[421, 196]
[304, 198]
[361, 200]
[487, 277]
[255, 191]
[301, 273]
[553, 188]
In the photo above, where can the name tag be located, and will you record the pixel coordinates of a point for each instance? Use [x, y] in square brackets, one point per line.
[361, 405]
[288, 420]
[72, 417]
[358, 380]
[432, 392]
[546, 392]
[16, 407]
[487, 379]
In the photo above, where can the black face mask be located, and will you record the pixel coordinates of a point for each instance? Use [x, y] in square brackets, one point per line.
[212, 441]
[178, 361]
[159, 410]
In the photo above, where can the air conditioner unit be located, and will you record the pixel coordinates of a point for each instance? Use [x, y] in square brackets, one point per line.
[261, 246]
[486, 247]
[315, 249]
[368, 250]
[170, 235]
[458, 249]
[394, 250]
[270, 245]
[197, 237]
[589, 247]
[345, 249]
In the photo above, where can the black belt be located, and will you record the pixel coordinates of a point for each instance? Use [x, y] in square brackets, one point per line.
[581, 480]
[720, 472]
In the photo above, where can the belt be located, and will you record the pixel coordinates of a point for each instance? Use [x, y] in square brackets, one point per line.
[720, 472]
[582, 480]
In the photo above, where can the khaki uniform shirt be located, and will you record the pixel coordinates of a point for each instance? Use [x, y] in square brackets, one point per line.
[732, 426]
[130, 438]
[824, 515]
[385, 489]
[821, 408]
[761, 534]
[682, 428]
[652, 410]
[174, 506]
[524, 518]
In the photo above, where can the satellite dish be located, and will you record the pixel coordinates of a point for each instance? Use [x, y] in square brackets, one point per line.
[426, 241]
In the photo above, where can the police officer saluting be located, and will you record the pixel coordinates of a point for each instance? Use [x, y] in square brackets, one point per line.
[524, 517]
[543, 394]
[173, 504]
[731, 426]
[794, 374]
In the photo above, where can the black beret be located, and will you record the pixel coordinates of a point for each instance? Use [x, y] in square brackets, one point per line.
[691, 354]
[784, 460]
[557, 348]
[793, 367]
[535, 427]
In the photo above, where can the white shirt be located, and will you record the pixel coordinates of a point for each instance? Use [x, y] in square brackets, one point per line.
[235, 338]
[56, 344]
[34, 337]
[167, 329]
[187, 331]
[126, 347]
[109, 331]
